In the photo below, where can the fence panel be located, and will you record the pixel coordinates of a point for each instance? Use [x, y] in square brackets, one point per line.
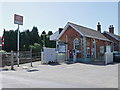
[24, 57]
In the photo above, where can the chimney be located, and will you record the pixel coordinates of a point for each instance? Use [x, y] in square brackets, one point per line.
[60, 30]
[99, 27]
[111, 29]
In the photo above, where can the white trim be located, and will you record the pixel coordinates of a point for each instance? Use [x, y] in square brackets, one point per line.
[65, 28]
[62, 31]
[68, 24]
[74, 42]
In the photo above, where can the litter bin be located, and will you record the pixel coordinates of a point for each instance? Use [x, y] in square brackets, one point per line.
[116, 57]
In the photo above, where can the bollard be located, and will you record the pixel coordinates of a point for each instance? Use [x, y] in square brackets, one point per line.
[12, 61]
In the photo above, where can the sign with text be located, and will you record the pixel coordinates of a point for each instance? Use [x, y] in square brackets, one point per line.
[61, 48]
[18, 19]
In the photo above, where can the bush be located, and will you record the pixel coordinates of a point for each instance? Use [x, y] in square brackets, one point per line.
[36, 47]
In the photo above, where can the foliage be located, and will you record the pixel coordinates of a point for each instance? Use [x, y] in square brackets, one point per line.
[28, 39]
[50, 33]
[36, 47]
[2, 51]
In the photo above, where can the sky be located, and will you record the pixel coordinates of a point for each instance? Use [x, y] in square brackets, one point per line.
[50, 16]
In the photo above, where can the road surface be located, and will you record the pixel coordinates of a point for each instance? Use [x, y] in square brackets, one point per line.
[77, 75]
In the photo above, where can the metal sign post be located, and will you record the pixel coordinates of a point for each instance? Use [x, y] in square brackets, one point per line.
[18, 20]
[18, 47]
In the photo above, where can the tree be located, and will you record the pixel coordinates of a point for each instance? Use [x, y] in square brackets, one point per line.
[50, 33]
[35, 36]
[46, 37]
[44, 32]
[28, 39]
[10, 40]
[25, 40]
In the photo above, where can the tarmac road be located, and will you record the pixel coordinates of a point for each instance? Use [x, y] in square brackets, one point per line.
[75, 75]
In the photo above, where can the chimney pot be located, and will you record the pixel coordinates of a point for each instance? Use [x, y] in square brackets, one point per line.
[60, 30]
[111, 29]
[99, 27]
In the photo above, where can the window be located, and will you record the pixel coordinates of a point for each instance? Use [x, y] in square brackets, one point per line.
[61, 49]
[88, 51]
[101, 49]
[76, 44]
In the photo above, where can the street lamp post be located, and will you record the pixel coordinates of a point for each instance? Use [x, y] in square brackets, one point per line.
[43, 40]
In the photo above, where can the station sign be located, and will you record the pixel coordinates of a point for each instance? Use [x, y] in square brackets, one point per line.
[18, 19]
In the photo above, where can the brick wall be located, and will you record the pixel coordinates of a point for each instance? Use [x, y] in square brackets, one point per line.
[116, 42]
[73, 34]
[99, 43]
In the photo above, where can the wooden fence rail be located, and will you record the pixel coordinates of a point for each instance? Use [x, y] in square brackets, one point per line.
[24, 57]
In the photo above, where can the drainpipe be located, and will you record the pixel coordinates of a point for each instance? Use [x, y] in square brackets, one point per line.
[67, 47]
[94, 48]
[84, 47]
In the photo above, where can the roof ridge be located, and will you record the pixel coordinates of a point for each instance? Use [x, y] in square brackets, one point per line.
[93, 32]
[83, 27]
[112, 33]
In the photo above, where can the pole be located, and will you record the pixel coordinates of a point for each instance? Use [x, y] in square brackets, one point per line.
[12, 61]
[18, 47]
[44, 40]
[66, 45]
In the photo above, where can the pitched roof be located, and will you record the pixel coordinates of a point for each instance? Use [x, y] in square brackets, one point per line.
[117, 37]
[54, 35]
[85, 31]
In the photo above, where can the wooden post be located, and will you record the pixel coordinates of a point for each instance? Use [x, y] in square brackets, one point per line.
[31, 56]
[0, 59]
[12, 61]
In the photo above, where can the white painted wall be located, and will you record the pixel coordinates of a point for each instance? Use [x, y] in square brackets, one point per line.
[49, 55]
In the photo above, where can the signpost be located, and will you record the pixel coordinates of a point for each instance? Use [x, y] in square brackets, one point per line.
[18, 20]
